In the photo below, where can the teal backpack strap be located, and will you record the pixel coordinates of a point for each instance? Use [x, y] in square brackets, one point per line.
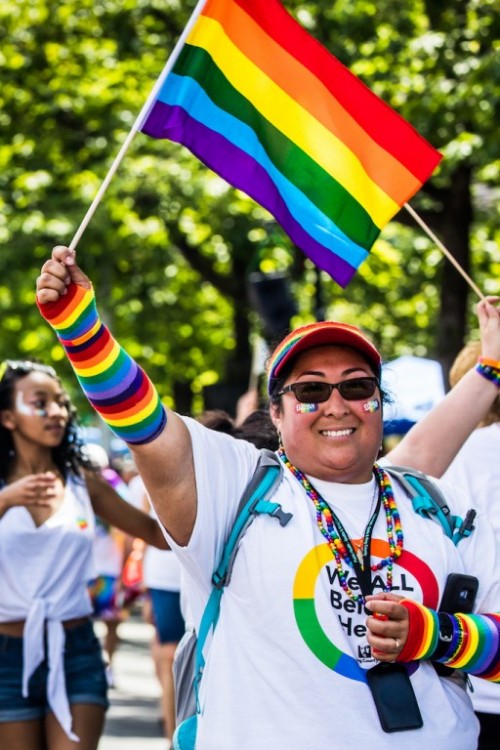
[429, 502]
[255, 501]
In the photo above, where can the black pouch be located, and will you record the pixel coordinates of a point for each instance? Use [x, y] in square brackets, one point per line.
[394, 698]
[459, 594]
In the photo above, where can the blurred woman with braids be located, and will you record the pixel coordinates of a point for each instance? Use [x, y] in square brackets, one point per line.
[52, 677]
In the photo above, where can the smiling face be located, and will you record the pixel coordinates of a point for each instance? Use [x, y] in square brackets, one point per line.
[39, 412]
[339, 441]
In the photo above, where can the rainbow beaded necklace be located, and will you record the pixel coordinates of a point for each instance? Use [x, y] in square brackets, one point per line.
[326, 525]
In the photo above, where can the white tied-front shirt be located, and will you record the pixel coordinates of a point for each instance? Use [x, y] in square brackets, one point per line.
[43, 580]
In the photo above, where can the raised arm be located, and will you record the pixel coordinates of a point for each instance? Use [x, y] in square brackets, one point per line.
[432, 444]
[121, 392]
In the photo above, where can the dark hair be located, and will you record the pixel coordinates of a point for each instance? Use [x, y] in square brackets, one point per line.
[69, 456]
[218, 420]
[258, 428]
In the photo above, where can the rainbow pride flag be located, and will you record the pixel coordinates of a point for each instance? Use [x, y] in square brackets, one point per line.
[269, 109]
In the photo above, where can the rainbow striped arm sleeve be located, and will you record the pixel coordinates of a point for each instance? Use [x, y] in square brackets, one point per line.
[467, 642]
[118, 389]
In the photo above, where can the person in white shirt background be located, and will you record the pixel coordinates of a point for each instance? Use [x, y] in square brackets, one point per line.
[162, 608]
[476, 468]
[111, 550]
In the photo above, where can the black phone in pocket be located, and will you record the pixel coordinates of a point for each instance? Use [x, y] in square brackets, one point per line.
[459, 594]
[394, 697]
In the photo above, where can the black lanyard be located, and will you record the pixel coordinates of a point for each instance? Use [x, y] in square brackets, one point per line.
[363, 572]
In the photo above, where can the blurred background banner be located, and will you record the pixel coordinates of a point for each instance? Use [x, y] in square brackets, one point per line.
[415, 385]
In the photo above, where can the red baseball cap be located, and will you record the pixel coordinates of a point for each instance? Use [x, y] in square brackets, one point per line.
[319, 334]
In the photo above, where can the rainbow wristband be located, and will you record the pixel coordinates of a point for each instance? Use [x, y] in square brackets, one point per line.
[489, 369]
[423, 632]
[495, 363]
[450, 637]
[471, 643]
[477, 651]
[118, 389]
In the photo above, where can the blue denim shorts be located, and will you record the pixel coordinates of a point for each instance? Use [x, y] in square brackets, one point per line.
[83, 668]
[167, 617]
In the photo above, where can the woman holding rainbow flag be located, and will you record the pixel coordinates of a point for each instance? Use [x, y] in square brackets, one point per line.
[353, 581]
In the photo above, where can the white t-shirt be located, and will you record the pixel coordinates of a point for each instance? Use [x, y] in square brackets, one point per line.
[43, 579]
[286, 666]
[109, 542]
[108, 550]
[161, 568]
[476, 468]
[137, 492]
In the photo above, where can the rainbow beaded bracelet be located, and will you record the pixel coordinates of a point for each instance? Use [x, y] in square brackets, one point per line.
[489, 369]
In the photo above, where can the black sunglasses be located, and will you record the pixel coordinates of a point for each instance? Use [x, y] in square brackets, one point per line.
[316, 392]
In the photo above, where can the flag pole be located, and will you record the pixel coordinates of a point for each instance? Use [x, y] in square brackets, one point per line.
[137, 124]
[444, 250]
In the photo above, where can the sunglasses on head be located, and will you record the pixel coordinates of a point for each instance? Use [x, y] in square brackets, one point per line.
[316, 392]
[25, 365]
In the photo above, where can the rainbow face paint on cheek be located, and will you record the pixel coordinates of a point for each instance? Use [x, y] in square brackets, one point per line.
[40, 412]
[372, 406]
[29, 410]
[306, 408]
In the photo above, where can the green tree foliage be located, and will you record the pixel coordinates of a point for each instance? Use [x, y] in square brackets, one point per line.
[171, 245]
[437, 64]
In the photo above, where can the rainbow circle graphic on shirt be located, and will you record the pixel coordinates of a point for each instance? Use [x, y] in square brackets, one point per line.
[305, 610]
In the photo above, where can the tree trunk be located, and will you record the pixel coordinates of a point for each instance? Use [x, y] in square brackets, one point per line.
[455, 226]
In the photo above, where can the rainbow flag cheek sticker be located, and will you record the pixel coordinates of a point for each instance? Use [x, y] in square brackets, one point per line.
[306, 617]
[306, 408]
[372, 406]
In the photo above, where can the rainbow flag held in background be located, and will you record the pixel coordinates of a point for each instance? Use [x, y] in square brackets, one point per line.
[269, 109]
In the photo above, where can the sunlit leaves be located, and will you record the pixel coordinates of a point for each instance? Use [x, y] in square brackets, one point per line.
[171, 245]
